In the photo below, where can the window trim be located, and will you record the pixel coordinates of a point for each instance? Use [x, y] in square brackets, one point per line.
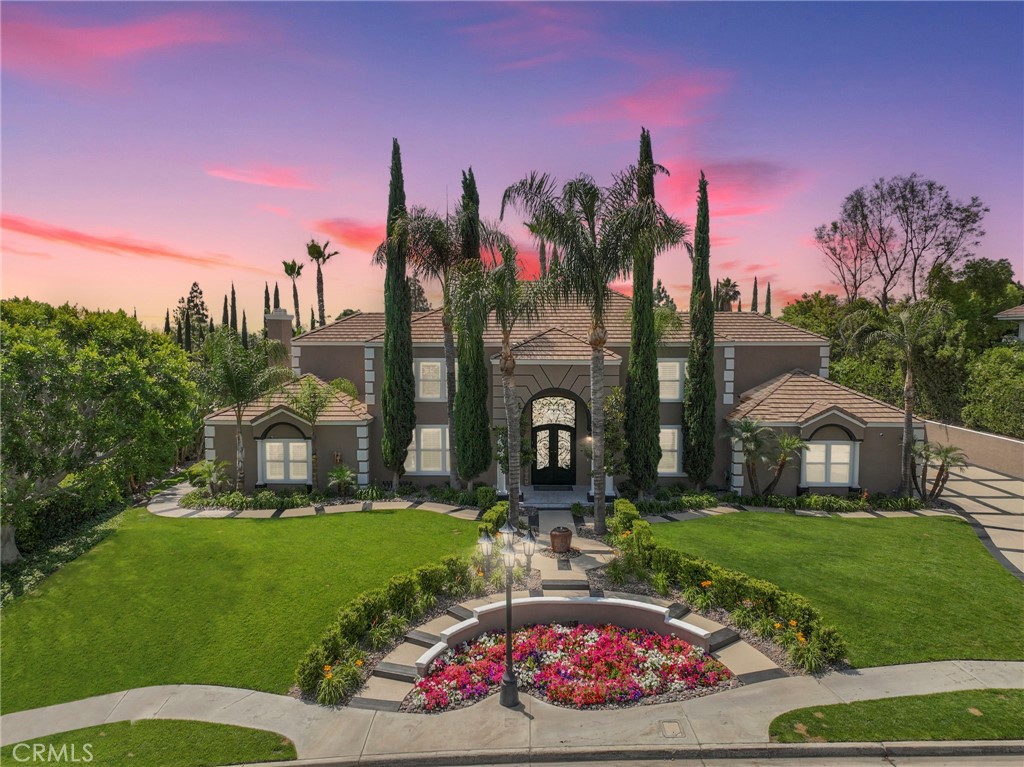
[681, 364]
[679, 451]
[261, 464]
[443, 388]
[854, 446]
[414, 451]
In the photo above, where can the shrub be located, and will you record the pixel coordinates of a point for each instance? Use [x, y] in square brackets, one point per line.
[494, 518]
[895, 503]
[371, 493]
[662, 583]
[338, 681]
[431, 578]
[623, 518]
[807, 655]
[401, 593]
[212, 475]
[342, 480]
[311, 669]
[486, 496]
[578, 510]
[640, 542]
[833, 647]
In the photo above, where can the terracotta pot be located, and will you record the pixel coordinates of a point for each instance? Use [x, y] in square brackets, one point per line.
[561, 540]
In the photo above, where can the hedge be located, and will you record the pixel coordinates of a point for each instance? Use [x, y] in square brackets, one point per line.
[835, 504]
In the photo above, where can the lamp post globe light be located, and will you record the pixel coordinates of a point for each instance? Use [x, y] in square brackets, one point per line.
[509, 686]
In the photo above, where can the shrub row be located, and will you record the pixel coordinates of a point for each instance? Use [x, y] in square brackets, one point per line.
[331, 669]
[494, 518]
[834, 504]
[261, 499]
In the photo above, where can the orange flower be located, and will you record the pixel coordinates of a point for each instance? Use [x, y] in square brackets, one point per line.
[778, 626]
[327, 668]
[330, 676]
[359, 662]
[705, 584]
[792, 623]
[800, 637]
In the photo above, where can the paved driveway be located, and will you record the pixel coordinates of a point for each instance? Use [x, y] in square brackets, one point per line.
[995, 503]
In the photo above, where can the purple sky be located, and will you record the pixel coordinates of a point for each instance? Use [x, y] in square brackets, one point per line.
[148, 145]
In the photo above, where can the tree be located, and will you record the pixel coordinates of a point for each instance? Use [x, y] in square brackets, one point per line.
[199, 314]
[726, 293]
[472, 441]
[418, 296]
[188, 331]
[225, 318]
[927, 454]
[235, 377]
[210, 329]
[751, 437]
[597, 230]
[234, 310]
[768, 301]
[345, 386]
[397, 400]
[643, 417]
[311, 400]
[179, 339]
[662, 298]
[293, 270]
[312, 319]
[277, 297]
[786, 446]
[753, 298]
[995, 389]
[245, 332]
[266, 298]
[346, 312]
[699, 406]
[977, 292]
[844, 244]
[320, 254]
[906, 330]
[167, 323]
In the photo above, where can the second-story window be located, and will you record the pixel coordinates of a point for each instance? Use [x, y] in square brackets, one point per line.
[671, 377]
[430, 380]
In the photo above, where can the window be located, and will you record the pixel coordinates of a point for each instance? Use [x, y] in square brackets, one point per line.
[430, 380]
[830, 463]
[428, 451]
[285, 461]
[671, 375]
[671, 450]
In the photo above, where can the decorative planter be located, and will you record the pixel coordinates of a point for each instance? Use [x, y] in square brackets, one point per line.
[561, 540]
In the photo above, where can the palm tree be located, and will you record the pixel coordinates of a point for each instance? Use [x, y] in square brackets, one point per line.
[906, 329]
[726, 293]
[235, 377]
[751, 437]
[787, 445]
[293, 269]
[597, 231]
[320, 254]
[928, 453]
[311, 401]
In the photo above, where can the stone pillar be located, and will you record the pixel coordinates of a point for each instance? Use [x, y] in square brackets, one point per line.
[279, 328]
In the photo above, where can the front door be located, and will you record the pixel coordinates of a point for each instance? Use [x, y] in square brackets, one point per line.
[554, 441]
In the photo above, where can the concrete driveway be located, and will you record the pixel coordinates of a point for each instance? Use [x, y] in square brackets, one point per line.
[994, 502]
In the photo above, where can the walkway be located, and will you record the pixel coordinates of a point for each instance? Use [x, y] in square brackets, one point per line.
[994, 504]
[486, 731]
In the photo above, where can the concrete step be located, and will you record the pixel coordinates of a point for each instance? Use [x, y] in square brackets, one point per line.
[460, 612]
[749, 665]
[406, 654]
[399, 672]
[381, 694]
[438, 624]
[565, 584]
[422, 638]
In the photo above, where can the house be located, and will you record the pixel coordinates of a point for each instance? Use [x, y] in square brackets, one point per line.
[752, 352]
[1016, 314]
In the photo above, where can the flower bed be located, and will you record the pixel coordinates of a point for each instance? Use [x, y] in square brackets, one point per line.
[581, 666]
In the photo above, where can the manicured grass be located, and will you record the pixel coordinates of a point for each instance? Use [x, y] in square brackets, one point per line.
[900, 590]
[966, 715]
[231, 602]
[157, 743]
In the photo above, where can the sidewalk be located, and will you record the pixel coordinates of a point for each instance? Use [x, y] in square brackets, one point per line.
[735, 718]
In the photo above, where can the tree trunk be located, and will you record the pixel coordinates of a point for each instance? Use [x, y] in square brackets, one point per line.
[598, 336]
[320, 294]
[515, 452]
[939, 483]
[239, 453]
[755, 487]
[295, 298]
[779, 468]
[906, 482]
[449, 370]
[923, 489]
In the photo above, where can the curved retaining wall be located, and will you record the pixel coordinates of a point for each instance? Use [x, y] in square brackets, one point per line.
[592, 610]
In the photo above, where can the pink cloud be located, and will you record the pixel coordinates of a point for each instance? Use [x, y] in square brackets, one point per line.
[43, 46]
[668, 102]
[518, 31]
[277, 210]
[278, 176]
[357, 235]
[115, 245]
[744, 187]
[13, 250]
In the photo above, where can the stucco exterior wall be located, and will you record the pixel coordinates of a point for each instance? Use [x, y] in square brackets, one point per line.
[990, 451]
[330, 362]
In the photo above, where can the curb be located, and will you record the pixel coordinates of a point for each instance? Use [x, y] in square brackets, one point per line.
[744, 753]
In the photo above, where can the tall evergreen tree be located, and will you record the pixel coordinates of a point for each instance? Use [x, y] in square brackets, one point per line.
[245, 332]
[397, 400]
[699, 406]
[178, 336]
[312, 318]
[188, 330]
[167, 323]
[234, 310]
[753, 298]
[642, 417]
[211, 328]
[662, 298]
[266, 298]
[277, 297]
[418, 296]
[472, 432]
[768, 301]
[225, 317]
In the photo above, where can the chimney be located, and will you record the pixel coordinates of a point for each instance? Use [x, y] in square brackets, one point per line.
[279, 328]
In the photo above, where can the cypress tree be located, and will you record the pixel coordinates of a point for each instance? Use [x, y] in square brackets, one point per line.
[234, 311]
[753, 298]
[188, 331]
[472, 433]
[245, 332]
[179, 339]
[397, 396]
[277, 297]
[699, 408]
[167, 323]
[312, 319]
[768, 301]
[224, 317]
[642, 418]
[211, 325]
[266, 298]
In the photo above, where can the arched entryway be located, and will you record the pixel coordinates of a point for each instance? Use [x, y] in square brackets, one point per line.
[554, 422]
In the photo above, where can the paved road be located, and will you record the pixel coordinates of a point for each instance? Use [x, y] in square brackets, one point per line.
[995, 504]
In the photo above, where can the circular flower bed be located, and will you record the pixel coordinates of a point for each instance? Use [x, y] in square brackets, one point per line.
[578, 666]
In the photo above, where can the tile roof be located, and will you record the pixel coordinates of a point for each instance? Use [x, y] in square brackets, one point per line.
[554, 344]
[574, 318]
[799, 396]
[342, 407]
[1016, 313]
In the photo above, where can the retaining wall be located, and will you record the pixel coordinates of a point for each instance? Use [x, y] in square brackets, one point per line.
[990, 451]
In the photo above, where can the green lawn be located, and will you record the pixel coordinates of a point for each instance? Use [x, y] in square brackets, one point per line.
[231, 602]
[967, 715]
[156, 743]
[900, 590]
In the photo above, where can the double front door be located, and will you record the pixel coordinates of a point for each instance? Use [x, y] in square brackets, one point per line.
[553, 452]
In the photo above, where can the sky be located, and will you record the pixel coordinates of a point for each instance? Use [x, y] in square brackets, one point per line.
[149, 145]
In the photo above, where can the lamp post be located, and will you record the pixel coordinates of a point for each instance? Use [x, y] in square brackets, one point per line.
[509, 686]
[485, 544]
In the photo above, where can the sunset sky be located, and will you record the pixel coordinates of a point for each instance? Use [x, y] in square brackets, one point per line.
[147, 145]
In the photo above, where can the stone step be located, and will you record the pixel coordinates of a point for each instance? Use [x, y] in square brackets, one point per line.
[406, 654]
[460, 612]
[748, 664]
[396, 671]
[422, 638]
[438, 624]
[565, 584]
